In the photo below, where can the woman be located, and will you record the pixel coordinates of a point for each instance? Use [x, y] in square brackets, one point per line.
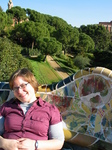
[29, 122]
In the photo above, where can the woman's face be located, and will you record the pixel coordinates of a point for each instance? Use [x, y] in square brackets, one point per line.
[23, 90]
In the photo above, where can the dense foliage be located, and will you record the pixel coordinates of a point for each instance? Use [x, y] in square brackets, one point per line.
[10, 59]
[99, 34]
[28, 32]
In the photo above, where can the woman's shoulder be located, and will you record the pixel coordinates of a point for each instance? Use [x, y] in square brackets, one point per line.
[12, 100]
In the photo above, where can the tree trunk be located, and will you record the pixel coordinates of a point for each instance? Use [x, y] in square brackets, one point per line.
[32, 44]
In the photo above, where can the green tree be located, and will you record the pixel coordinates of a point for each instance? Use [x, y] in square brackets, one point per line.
[68, 36]
[99, 34]
[103, 59]
[18, 13]
[49, 46]
[10, 59]
[57, 22]
[29, 32]
[5, 23]
[81, 62]
[1, 10]
[110, 46]
[86, 43]
[35, 16]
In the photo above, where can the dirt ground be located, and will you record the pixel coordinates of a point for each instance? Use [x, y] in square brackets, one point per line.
[57, 68]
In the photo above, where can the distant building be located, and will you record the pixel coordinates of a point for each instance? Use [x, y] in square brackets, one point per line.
[15, 21]
[107, 25]
[10, 4]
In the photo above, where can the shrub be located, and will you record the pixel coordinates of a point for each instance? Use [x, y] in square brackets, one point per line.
[81, 61]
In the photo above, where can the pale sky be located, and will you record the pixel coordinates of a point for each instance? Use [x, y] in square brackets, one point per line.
[74, 12]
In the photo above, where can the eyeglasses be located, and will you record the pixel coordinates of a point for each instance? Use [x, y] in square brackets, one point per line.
[22, 86]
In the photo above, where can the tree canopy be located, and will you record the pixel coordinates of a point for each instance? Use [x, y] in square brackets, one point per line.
[27, 33]
[5, 23]
[10, 59]
[49, 35]
[49, 46]
[18, 13]
[99, 34]
[86, 43]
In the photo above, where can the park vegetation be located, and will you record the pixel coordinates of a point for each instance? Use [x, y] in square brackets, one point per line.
[25, 33]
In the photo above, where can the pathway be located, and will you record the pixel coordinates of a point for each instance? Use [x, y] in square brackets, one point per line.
[57, 68]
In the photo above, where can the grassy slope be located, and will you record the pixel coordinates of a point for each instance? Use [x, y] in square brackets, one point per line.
[64, 64]
[43, 72]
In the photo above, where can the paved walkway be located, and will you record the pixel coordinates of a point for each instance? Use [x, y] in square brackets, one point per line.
[57, 68]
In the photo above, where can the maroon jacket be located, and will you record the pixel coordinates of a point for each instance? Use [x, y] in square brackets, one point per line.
[33, 125]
